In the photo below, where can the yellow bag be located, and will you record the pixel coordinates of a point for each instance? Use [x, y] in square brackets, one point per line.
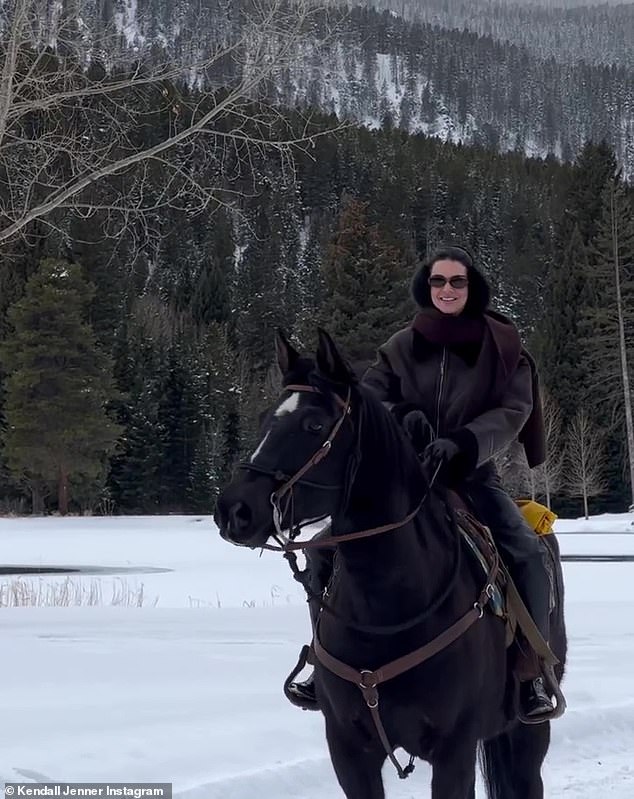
[539, 517]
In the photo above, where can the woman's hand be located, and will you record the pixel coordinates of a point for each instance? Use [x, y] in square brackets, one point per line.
[438, 456]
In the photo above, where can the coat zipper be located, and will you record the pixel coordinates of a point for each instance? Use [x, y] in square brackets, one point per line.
[440, 388]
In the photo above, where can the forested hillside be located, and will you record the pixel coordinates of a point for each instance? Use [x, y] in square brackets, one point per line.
[566, 30]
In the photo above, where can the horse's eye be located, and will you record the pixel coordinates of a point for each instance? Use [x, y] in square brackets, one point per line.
[313, 426]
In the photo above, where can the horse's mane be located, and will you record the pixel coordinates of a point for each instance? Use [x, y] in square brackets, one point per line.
[389, 459]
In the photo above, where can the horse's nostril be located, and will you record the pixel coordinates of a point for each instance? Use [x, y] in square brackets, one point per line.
[234, 518]
[239, 517]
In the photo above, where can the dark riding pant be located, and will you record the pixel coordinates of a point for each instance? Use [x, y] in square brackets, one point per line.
[521, 548]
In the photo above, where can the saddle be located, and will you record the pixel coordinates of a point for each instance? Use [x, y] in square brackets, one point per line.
[506, 602]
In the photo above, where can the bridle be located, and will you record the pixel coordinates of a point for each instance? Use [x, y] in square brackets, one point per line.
[287, 544]
[289, 482]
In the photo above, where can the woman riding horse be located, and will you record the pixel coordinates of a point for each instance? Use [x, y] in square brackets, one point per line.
[406, 653]
[463, 387]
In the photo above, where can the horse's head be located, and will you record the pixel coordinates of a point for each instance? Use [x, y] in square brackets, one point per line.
[301, 468]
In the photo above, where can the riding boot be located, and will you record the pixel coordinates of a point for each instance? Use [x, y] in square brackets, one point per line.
[320, 565]
[305, 690]
[533, 585]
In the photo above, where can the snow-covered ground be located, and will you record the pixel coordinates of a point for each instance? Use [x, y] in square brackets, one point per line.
[187, 688]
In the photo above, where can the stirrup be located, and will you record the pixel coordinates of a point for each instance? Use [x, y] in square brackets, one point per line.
[552, 688]
[289, 691]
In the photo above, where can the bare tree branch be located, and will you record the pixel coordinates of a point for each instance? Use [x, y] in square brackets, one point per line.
[70, 122]
[513, 469]
[549, 476]
[586, 460]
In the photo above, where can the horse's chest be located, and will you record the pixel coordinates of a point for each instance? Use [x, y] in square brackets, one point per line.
[405, 721]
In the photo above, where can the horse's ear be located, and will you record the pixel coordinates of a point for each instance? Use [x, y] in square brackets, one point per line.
[287, 355]
[330, 361]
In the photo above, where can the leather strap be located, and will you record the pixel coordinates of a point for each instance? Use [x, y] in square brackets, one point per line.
[368, 680]
[365, 678]
[527, 625]
[334, 541]
[372, 701]
[323, 450]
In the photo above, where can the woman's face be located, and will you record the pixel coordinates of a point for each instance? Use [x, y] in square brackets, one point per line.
[448, 298]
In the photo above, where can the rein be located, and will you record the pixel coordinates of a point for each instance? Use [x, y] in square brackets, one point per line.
[303, 577]
[334, 541]
[289, 547]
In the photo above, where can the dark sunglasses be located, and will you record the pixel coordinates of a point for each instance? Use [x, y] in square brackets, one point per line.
[456, 282]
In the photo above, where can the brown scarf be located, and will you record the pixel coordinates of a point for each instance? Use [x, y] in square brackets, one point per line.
[448, 330]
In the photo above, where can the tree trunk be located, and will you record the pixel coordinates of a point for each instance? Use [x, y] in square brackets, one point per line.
[532, 479]
[37, 500]
[585, 502]
[627, 398]
[62, 492]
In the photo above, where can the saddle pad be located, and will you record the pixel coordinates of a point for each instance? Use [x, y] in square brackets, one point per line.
[497, 600]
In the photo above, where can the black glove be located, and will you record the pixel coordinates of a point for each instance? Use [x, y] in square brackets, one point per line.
[438, 456]
[418, 430]
[400, 410]
[414, 422]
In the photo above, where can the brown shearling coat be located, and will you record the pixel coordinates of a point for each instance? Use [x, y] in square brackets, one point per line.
[482, 405]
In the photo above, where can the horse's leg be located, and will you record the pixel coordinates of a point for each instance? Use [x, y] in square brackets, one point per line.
[530, 744]
[454, 768]
[513, 762]
[358, 769]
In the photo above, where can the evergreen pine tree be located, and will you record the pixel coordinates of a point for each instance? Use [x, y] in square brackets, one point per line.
[179, 416]
[566, 332]
[210, 300]
[563, 328]
[140, 363]
[594, 169]
[58, 383]
[265, 293]
[366, 280]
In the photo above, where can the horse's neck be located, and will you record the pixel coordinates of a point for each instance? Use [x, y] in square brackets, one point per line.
[398, 571]
[393, 573]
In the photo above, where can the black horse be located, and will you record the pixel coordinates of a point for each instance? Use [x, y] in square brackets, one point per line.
[366, 477]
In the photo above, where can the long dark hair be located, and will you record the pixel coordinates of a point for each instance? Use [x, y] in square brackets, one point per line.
[479, 291]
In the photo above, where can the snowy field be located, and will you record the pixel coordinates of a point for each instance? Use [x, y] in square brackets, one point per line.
[187, 688]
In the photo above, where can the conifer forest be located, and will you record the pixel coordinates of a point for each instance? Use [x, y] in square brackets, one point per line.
[176, 183]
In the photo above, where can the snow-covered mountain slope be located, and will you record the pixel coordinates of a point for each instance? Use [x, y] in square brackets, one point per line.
[377, 68]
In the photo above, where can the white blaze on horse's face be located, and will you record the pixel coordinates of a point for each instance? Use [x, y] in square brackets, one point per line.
[289, 405]
[259, 447]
